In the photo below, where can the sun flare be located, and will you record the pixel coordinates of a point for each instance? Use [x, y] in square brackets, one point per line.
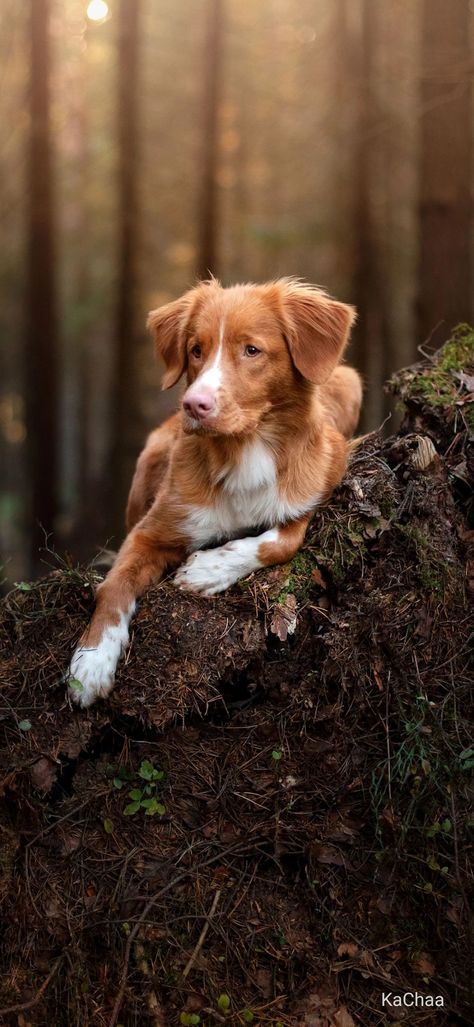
[97, 10]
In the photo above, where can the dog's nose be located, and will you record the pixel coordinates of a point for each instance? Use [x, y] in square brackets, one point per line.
[199, 405]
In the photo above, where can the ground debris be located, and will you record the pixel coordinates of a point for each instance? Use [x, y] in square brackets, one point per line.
[267, 821]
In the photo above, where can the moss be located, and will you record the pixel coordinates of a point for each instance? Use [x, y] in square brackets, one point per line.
[431, 570]
[387, 506]
[298, 580]
[436, 384]
[342, 545]
[458, 353]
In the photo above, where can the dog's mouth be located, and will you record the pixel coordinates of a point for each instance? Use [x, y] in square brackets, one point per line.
[218, 425]
[199, 425]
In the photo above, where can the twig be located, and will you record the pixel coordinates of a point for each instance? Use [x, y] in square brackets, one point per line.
[154, 1005]
[131, 938]
[23, 1006]
[387, 737]
[202, 935]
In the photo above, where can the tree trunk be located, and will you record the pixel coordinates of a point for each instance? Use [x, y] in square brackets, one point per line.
[445, 274]
[41, 299]
[125, 384]
[207, 260]
[370, 333]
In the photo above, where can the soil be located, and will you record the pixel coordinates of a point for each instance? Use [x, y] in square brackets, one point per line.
[268, 821]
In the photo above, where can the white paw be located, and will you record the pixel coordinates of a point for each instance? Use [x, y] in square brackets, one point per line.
[212, 570]
[92, 670]
[91, 675]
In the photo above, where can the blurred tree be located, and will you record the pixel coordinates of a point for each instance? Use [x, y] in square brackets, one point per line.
[207, 215]
[445, 270]
[41, 349]
[369, 286]
[125, 404]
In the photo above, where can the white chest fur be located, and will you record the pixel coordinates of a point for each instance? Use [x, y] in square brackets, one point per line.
[249, 498]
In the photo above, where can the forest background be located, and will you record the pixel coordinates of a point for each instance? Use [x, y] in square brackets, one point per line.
[147, 142]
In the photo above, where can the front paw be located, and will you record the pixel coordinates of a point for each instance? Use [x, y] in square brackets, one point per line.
[212, 570]
[205, 572]
[91, 672]
[91, 675]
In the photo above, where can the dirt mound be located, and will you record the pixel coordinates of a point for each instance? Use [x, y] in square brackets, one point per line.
[267, 822]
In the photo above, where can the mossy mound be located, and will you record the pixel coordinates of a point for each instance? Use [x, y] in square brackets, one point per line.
[268, 821]
[440, 388]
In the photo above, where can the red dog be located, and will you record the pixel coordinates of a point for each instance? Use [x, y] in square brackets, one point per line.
[260, 441]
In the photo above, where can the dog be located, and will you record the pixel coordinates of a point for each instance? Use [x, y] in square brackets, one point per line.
[260, 441]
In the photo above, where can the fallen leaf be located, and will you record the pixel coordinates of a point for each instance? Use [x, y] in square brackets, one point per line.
[284, 618]
[318, 578]
[342, 1018]
[454, 911]
[328, 854]
[366, 959]
[348, 948]
[423, 964]
[467, 380]
[43, 774]
[264, 982]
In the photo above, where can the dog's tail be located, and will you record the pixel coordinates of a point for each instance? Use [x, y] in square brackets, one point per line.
[354, 444]
[104, 559]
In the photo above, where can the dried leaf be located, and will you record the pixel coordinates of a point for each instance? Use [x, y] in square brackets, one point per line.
[284, 618]
[454, 911]
[348, 948]
[329, 854]
[264, 982]
[43, 774]
[342, 1018]
[467, 380]
[318, 578]
[423, 964]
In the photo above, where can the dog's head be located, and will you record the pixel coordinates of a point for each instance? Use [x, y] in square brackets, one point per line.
[248, 350]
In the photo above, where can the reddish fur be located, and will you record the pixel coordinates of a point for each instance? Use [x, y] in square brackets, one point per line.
[294, 396]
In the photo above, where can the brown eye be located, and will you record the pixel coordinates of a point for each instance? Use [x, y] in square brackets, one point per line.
[251, 351]
[196, 351]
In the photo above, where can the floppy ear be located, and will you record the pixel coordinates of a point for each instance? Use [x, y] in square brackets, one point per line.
[171, 326]
[168, 325]
[316, 329]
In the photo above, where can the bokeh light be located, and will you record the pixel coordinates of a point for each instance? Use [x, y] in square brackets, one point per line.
[97, 10]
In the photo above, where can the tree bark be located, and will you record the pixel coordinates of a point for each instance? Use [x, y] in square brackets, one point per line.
[125, 385]
[41, 347]
[207, 261]
[445, 204]
[370, 334]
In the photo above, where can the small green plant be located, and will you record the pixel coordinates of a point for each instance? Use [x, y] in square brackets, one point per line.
[223, 1003]
[145, 796]
[445, 827]
[277, 755]
[75, 684]
[248, 1016]
[189, 1018]
[25, 725]
[466, 758]
[120, 777]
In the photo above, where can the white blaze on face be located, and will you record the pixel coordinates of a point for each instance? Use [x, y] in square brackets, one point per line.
[211, 378]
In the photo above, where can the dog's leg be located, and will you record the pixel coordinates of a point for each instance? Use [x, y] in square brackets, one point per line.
[150, 471]
[212, 570]
[142, 560]
[342, 398]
